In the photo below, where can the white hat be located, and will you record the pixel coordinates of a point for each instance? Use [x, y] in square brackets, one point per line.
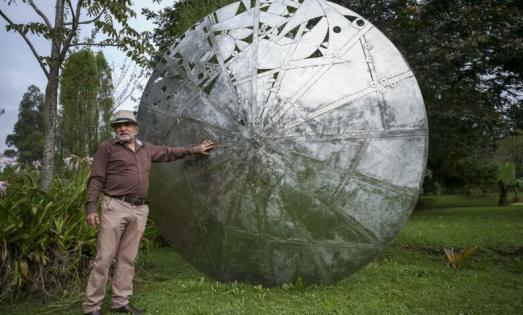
[123, 116]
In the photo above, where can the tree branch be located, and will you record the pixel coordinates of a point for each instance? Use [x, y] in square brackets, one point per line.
[70, 4]
[76, 17]
[119, 80]
[89, 21]
[99, 44]
[39, 12]
[42, 65]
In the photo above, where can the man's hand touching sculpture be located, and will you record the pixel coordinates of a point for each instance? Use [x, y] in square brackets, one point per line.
[204, 148]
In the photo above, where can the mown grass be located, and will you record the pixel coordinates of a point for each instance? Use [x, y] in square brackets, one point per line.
[411, 277]
[455, 201]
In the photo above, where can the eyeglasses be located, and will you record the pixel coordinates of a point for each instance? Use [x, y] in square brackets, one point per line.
[123, 124]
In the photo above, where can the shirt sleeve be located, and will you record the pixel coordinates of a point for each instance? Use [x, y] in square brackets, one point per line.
[96, 180]
[168, 154]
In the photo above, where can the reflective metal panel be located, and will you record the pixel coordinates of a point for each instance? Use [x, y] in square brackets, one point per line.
[321, 142]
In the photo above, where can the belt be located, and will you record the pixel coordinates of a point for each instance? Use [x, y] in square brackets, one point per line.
[131, 200]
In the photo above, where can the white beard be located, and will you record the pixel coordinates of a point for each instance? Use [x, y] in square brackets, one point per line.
[126, 138]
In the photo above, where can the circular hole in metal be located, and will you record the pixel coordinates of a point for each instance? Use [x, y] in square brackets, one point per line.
[360, 22]
[164, 88]
[200, 76]
[336, 29]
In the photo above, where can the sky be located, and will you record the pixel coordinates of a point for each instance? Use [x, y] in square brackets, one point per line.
[19, 68]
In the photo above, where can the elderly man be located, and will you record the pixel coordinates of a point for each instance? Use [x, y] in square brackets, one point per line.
[120, 171]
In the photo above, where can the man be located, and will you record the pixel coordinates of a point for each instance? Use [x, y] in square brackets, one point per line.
[121, 171]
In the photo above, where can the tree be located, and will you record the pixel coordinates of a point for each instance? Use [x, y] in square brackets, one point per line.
[105, 98]
[128, 80]
[172, 22]
[507, 180]
[106, 16]
[27, 136]
[510, 149]
[86, 103]
[78, 97]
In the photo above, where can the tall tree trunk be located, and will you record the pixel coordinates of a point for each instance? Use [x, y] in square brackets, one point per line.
[50, 104]
[51, 93]
[503, 194]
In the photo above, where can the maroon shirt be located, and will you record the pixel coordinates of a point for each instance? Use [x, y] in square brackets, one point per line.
[118, 171]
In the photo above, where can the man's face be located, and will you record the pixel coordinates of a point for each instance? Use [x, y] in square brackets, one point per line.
[126, 131]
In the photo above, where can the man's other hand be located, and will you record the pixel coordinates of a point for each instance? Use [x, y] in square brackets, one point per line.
[92, 220]
[204, 148]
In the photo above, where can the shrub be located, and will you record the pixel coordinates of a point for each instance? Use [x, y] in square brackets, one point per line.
[45, 244]
[44, 241]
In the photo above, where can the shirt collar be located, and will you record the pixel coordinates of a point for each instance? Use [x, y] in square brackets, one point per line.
[138, 142]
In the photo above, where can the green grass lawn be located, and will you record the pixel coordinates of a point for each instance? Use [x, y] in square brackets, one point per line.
[411, 277]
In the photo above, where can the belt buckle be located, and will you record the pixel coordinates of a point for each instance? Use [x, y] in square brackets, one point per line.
[134, 201]
[127, 199]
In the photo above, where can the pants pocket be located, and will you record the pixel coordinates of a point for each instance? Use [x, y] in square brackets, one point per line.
[141, 214]
[106, 202]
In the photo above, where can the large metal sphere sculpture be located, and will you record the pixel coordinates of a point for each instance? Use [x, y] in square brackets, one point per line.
[322, 142]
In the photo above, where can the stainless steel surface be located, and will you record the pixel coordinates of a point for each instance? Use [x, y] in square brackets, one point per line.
[321, 142]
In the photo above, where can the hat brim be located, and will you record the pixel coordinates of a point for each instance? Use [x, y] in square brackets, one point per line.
[124, 120]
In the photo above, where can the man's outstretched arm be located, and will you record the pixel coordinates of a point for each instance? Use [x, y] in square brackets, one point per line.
[167, 154]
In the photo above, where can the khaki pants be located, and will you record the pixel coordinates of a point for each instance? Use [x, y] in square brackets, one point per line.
[119, 235]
